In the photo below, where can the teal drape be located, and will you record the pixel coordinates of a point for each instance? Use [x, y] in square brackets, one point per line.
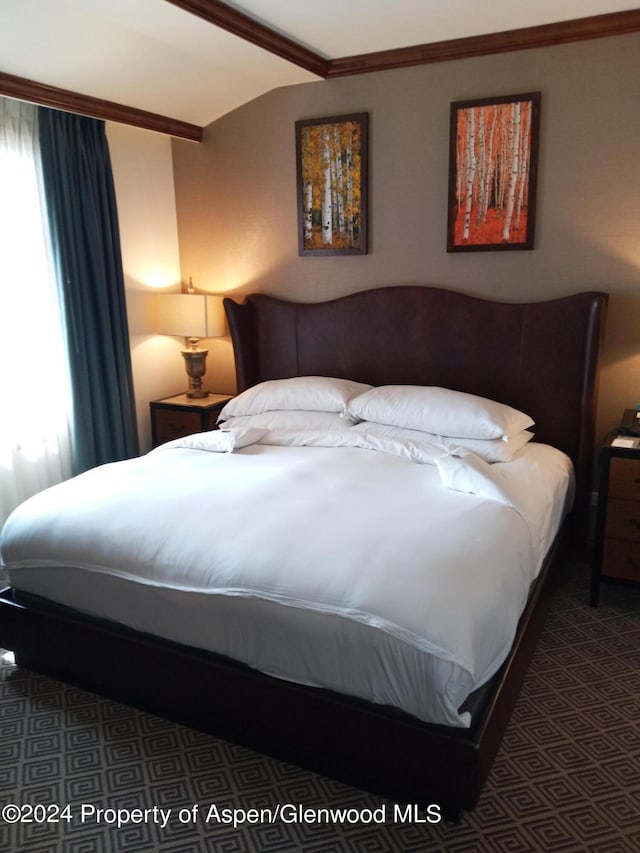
[83, 221]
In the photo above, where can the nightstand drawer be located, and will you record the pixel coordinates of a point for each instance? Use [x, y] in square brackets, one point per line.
[616, 554]
[621, 560]
[175, 417]
[624, 479]
[172, 424]
[623, 519]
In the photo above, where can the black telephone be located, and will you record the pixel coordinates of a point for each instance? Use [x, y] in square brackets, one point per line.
[630, 424]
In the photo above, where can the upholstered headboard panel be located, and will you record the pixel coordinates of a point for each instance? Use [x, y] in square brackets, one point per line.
[541, 357]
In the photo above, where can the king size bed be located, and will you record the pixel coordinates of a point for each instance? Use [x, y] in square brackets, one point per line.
[351, 573]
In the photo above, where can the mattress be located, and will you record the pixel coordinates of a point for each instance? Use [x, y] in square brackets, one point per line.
[344, 567]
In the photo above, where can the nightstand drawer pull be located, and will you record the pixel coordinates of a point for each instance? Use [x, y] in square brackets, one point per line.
[177, 429]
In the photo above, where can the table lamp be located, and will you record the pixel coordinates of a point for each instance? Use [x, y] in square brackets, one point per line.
[193, 316]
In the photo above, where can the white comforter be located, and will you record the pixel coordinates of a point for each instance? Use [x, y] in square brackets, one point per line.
[370, 539]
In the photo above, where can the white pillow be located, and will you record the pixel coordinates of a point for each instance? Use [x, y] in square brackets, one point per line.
[463, 471]
[489, 449]
[308, 393]
[289, 421]
[439, 411]
[399, 442]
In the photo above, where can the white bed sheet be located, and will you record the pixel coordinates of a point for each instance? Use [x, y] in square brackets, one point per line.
[339, 567]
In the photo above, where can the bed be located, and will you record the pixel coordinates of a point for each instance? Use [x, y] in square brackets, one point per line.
[540, 359]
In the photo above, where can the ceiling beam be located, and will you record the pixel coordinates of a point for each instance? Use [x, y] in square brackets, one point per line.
[546, 35]
[233, 21]
[63, 99]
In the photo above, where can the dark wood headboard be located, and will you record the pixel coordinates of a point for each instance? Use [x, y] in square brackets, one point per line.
[541, 357]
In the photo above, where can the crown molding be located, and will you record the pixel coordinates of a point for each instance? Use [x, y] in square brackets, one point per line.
[526, 38]
[221, 15]
[562, 32]
[63, 99]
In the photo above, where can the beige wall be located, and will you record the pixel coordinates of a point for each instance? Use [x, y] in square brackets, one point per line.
[236, 193]
[143, 178]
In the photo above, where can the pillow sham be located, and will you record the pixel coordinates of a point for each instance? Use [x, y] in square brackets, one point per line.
[440, 411]
[489, 449]
[307, 393]
[463, 471]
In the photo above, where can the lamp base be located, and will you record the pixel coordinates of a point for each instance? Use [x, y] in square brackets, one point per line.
[195, 362]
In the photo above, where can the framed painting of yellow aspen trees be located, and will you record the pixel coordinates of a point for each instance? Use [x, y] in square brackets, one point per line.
[493, 164]
[332, 178]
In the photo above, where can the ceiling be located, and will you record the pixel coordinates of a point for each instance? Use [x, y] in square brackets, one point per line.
[154, 56]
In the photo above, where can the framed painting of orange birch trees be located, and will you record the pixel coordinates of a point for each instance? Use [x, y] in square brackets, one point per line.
[493, 164]
[332, 178]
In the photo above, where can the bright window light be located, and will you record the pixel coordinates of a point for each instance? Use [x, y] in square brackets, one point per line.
[35, 444]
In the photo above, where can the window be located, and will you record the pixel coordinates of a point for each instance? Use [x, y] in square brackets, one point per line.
[35, 396]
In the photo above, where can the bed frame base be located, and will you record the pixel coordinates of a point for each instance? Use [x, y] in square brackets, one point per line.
[364, 745]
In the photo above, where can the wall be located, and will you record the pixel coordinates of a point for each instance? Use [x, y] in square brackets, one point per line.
[236, 193]
[143, 178]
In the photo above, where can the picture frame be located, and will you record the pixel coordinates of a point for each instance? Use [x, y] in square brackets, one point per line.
[493, 169]
[332, 171]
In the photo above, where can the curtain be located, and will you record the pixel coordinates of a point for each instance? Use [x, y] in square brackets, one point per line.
[35, 395]
[84, 224]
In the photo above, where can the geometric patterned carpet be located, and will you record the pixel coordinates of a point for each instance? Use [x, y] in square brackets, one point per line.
[567, 777]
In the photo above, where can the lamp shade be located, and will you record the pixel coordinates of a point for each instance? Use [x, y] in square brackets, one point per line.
[191, 315]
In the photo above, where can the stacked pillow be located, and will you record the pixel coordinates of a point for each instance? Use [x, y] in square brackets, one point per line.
[298, 403]
[458, 432]
[491, 430]
[416, 414]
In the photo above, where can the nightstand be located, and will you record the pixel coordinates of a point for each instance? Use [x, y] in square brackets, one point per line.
[617, 544]
[175, 417]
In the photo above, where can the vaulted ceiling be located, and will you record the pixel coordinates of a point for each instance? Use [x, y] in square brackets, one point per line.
[177, 65]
